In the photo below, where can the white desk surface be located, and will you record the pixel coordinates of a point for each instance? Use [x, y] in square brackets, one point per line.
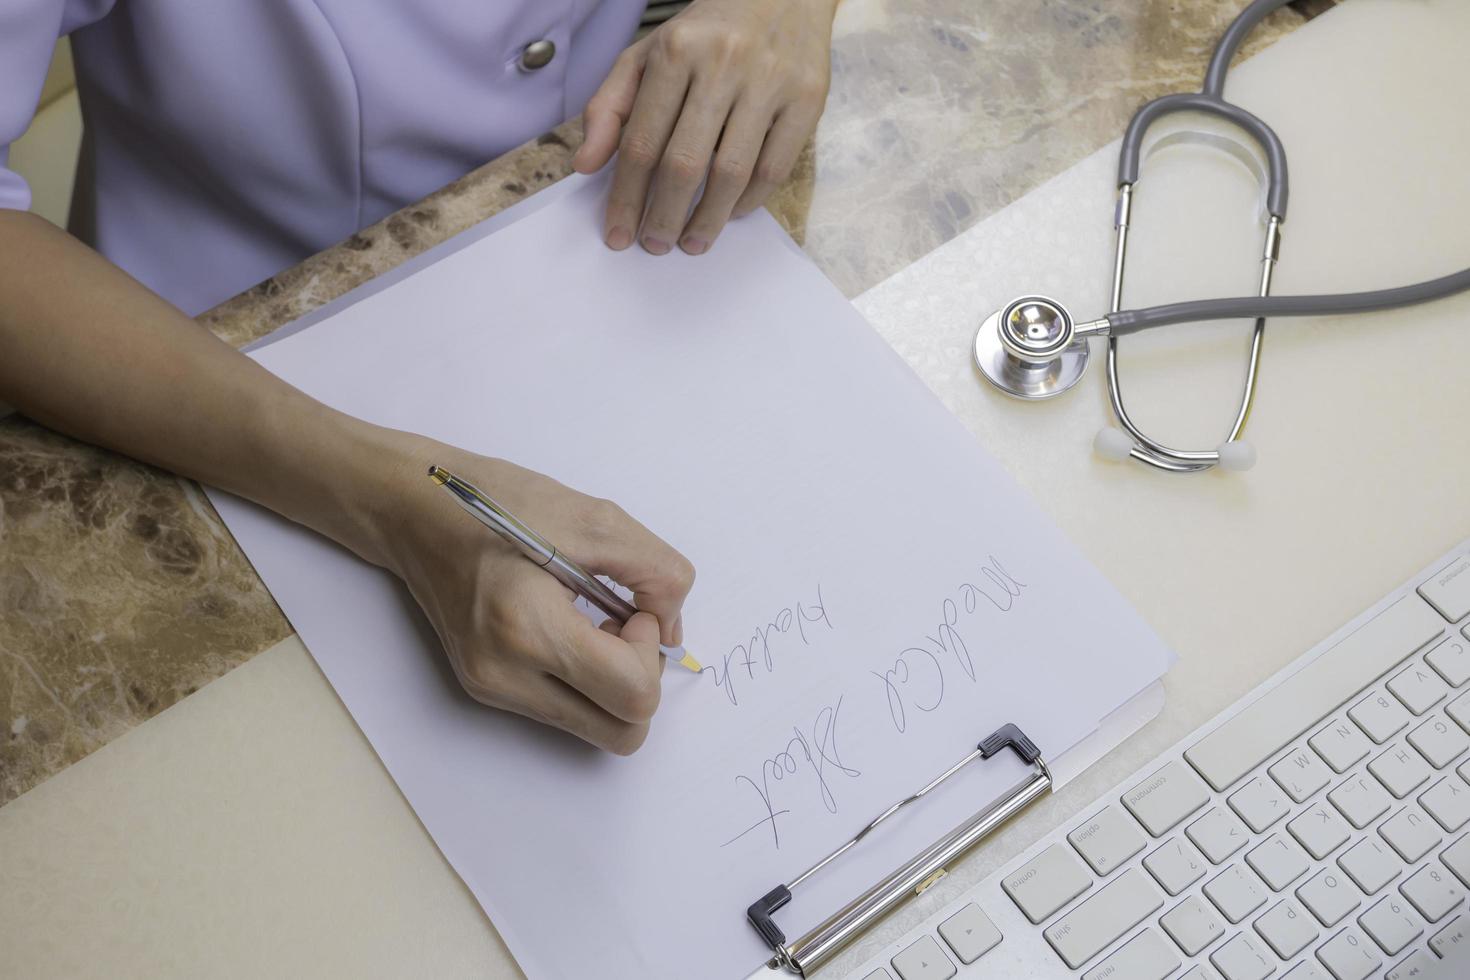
[250, 830]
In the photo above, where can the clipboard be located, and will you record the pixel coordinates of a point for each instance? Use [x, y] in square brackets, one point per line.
[824, 941]
[801, 956]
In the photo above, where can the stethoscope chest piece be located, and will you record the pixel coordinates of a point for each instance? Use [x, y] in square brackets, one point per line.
[1029, 349]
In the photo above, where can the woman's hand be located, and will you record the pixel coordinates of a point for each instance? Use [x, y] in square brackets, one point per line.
[510, 630]
[728, 88]
[88, 351]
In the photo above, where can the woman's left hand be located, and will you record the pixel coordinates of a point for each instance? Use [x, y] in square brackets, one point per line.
[731, 89]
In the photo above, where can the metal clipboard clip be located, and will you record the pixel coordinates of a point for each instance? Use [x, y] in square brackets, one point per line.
[849, 922]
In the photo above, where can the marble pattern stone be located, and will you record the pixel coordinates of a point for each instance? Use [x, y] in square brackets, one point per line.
[120, 590]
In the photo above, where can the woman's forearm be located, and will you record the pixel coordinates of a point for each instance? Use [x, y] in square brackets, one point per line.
[89, 351]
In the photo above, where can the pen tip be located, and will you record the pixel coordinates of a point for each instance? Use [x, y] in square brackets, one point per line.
[437, 475]
[689, 663]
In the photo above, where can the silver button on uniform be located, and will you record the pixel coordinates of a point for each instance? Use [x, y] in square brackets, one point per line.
[537, 54]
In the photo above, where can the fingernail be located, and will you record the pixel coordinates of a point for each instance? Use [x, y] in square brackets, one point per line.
[692, 245]
[619, 238]
[654, 246]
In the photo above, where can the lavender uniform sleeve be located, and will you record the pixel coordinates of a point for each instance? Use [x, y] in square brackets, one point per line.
[28, 33]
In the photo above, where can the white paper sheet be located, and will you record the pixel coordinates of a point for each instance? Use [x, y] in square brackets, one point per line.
[874, 594]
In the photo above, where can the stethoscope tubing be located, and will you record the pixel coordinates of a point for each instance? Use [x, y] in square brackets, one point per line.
[1211, 100]
[1130, 153]
[1125, 322]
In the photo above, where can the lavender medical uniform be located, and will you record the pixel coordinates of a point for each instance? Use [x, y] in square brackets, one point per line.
[228, 139]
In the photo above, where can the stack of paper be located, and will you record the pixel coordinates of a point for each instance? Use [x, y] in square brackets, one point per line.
[874, 593]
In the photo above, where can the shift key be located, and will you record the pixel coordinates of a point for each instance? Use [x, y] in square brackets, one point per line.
[1266, 725]
[1166, 797]
[1120, 905]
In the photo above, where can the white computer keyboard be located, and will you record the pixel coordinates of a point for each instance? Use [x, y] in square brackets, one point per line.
[1318, 828]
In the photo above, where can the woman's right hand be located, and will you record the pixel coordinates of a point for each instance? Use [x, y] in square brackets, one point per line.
[512, 634]
[105, 360]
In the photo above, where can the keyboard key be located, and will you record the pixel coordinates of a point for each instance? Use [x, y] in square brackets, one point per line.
[924, 960]
[1440, 741]
[1176, 865]
[1433, 891]
[1456, 857]
[1342, 744]
[1451, 660]
[1107, 840]
[1218, 834]
[1235, 892]
[1321, 830]
[1307, 970]
[1448, 589]
[1370, 864]
[1330, 896]
[1448, 802]
[1193, 924]
[1419, 688]
[1452, 938]
[1147, 956]
[1401, 770]
[970, 933]
[1266, 725]
[1410, 833]
[1201, 972]
[1162, 800]
[1242, 959]
[1361, 800]
[1287, 929]
[1301, 774]
[1047, 882]
[1459, 709]
[1391, 925]
[1117, 907]
[1279, 861]
[1260, 803]
[1348, 956]
[1412, 967]
[1380, 715]
[879, 974]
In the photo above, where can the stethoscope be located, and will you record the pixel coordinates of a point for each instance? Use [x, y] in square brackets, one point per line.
[1033, 349]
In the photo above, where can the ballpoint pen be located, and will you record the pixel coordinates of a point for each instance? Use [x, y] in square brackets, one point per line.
[541, 552]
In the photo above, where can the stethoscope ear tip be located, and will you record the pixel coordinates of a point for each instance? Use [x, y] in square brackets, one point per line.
[1112, 444]
[1115, 445]
[1237, 455]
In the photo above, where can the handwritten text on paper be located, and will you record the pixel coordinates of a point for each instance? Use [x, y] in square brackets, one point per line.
[808, 768]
